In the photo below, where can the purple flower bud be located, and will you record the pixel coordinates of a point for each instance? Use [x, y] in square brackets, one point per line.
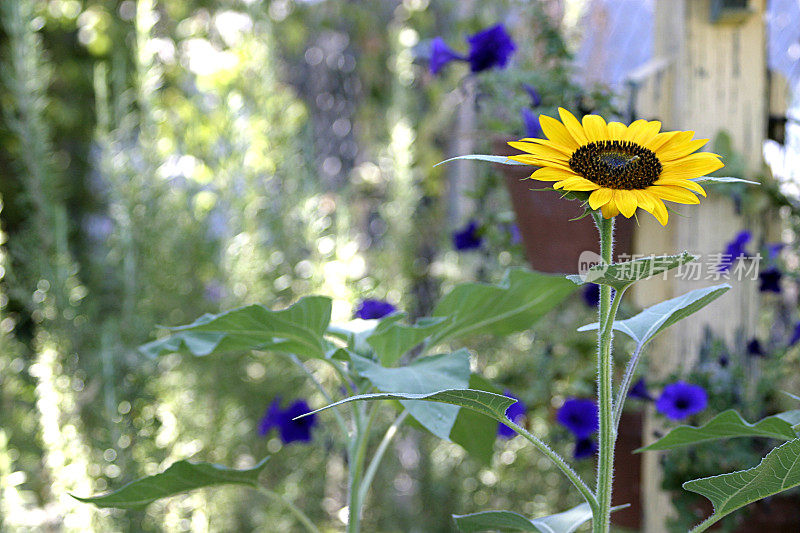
[770, 280]
[754, 348]
[536, 98]
[441, 55]
[515, 413]
[733, 250]
[773, 249]
[591, 295]
[468, 238]
[795, 338]
[639, 390]
[373, 309]
[532, 127]
[584, 449]
[514, 234]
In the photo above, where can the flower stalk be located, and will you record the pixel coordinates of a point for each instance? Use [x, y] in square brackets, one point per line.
[357, 458]
[605, 366]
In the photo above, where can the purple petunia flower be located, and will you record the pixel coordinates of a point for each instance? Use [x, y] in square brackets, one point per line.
[490, 48]
[584, 448]
[591, 295]
[795, 338]
[289, 430]
[639, 391]
[536, 98]
[733, 250]
[370, 309]
[441, 55]
[770, 280]
[514, 233]
[468, 238]
[754, 348]
[680, 399]
[532, 127]
[580, 416]
[515, 413]
[214, 291]
[773, 249]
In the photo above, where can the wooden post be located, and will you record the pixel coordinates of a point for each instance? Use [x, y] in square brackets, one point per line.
[715, 79]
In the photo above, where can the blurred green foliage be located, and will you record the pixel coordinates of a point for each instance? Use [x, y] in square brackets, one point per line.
[165, 159]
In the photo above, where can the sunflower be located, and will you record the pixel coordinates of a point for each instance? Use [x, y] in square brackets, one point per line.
[623, 167]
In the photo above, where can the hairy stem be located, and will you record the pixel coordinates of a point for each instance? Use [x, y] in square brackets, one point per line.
[357, 456]
[707, 523]
[567, 470]
[605, 366]
[376, 459]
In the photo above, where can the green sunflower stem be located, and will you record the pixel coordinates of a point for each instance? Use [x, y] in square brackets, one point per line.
[356, 458]
[605, 366]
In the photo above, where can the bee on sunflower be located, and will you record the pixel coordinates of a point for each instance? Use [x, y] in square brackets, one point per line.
[622, 167]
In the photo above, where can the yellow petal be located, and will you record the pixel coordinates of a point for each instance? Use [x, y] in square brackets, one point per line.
[540, 150]
[674, 194]
[626, 202]
[616, 130]
[646, 133]
[595, 128]
[634, 129]
[573, 126]
[557, 132]
[678, 151]
[692, 166]
[600, 197]
[678, 139]
[660, 140]
[660, 211]
[576, 184]
[609, 210]
[687, 184]
[551, 174]
[540, 161]
[644, 200]
[551, 144]
[653, 205]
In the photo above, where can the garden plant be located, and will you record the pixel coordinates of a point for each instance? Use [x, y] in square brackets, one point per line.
[383, 361]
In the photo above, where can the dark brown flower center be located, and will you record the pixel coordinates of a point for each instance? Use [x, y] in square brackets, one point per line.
[616, 164]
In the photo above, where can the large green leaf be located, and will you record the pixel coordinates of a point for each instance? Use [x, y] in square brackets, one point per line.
[487, 403]
[650, 322]
[473, 431]
[392, 339]
[298, 329]
[181, 476]
[565, 522]
[501, 159]
[621, 275]
[777, 472]
[726, 425]
[518, 301]
[425, 375]
[494, 520]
